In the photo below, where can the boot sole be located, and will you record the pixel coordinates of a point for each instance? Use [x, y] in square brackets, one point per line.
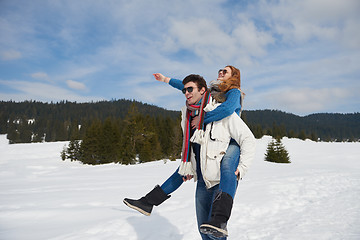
[212, 230]
[136, 208]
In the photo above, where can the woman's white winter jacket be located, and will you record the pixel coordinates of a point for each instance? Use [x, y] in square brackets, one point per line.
[214, 141]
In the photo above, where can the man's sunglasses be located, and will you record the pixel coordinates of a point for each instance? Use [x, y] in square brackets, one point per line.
[189, 89]
[224, 71]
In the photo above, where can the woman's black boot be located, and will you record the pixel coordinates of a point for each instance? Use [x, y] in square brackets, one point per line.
[220, 214]
[146, 203]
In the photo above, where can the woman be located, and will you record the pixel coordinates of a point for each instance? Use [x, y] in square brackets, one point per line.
[228, 82]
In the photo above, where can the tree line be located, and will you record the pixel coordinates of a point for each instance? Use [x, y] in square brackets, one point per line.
[126, 131]
[136, 138]
[317, 127]
[32, 121]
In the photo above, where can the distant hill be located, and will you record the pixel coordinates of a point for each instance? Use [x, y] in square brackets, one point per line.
[32, 121]
[38, 121]
[326, 126]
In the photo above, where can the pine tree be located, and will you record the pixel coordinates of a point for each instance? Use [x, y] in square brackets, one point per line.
[25, 131]
[176, 140]
[13, 134]
[302, 135]
[313, 136]
[145, 152]
[63, 153]
[291, 134]
[110, 144]
[61, 131]
[73, 152]
[3, 122]
[132, 135]
[276, 152]
[257, 130]
[74, 131]
[164, 130]
[90, 146]
[278, 131]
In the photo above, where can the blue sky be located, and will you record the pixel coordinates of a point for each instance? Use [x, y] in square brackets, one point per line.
[300, 57]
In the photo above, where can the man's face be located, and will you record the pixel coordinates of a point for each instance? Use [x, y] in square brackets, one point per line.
[194, 96]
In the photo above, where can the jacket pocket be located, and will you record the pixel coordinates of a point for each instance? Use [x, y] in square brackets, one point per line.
[215, 152]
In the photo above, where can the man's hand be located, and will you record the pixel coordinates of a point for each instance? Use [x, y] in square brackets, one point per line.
[161, 78]
[237, 172]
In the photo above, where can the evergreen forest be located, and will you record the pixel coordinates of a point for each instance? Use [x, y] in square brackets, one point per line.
[127, 131]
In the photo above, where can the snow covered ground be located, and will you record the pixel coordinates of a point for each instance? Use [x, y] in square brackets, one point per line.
[317, 196]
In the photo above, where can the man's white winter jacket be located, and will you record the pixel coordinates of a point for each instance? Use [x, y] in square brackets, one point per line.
[214, 142]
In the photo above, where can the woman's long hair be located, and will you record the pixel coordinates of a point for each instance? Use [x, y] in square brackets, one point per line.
[233, 82]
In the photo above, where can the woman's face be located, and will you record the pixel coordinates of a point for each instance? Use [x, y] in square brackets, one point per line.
[224, 74]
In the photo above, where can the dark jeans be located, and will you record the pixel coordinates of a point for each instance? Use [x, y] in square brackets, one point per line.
[204, 197]
[203, 203]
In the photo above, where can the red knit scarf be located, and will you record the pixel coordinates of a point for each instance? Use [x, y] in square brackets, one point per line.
[192, 111]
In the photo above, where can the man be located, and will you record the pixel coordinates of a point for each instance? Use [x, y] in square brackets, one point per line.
[210, 145]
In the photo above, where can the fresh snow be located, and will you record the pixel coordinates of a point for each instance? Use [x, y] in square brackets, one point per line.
[317, 196]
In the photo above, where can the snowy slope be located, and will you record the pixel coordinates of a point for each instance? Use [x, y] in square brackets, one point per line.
[43, 197]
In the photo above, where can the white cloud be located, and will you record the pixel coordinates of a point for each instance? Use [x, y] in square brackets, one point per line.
[252, 40]
[213, 43]
[350, 34]
[41, 92]
[80, 71]
[40, 76]
[9, 55]
[301, 21]
[309, 100]
[75, 85]
[300, 101]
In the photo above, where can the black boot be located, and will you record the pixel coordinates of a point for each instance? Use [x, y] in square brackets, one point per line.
[220, 214]
[145, 204]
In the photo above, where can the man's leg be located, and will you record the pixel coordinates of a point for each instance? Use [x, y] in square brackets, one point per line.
[222, 206]
[203, 201]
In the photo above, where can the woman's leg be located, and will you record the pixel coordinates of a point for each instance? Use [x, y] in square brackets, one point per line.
[172, 183]
[156, 196]
[204, 199]
[229, 164]
[222, 206]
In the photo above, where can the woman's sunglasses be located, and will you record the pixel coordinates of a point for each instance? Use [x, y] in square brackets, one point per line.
[189, 89]
[224, 71]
